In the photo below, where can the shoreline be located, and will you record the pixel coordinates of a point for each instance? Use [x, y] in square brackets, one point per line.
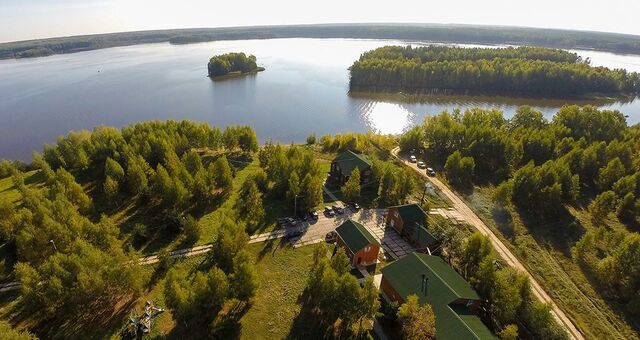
[236, 74]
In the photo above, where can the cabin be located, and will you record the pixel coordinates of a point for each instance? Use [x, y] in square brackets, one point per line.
[358, 243]
[344, 164]
[454, 302]
[410, 221]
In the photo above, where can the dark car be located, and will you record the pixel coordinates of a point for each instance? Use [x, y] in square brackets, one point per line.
[355, 206]
[329, 212]
[313, 215]
[338, 209]
[293, 234]
[431, 172]
[331, 236]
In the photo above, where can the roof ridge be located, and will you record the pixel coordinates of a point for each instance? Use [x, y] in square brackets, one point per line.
[436, 274]
[462, 321]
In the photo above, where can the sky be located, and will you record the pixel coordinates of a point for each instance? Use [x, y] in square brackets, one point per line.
[29, 19]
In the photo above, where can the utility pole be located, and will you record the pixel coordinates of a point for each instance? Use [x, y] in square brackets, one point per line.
[426, 186]
[54, 245]
[295, 204]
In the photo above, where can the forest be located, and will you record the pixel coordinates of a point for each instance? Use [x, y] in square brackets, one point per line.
[224, 64]
[573, 180]
[76, 258]
[524, 71]
[610, 42]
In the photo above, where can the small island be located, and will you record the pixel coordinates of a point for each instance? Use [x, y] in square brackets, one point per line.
[523, 71]
[232, 64]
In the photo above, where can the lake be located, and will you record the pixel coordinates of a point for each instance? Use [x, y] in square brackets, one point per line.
[303, 90]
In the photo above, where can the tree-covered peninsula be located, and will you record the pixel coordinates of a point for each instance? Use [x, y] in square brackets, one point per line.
[232, 64]
[523, 70]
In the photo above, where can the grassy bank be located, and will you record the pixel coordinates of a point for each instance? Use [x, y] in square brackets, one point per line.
[545, 249]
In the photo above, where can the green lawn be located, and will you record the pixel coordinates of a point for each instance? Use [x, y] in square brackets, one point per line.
[546, 251]
[282, 276]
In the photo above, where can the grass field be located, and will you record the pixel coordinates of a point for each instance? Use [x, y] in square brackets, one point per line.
[546, 252]
[282, 274]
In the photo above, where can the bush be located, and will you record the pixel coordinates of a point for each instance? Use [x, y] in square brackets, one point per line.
[311, 139]
[460, 170]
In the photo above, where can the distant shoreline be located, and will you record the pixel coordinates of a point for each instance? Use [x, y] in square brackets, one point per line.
[455, 34]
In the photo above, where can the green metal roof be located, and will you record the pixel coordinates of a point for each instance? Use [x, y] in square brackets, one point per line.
[349, 160]
[411, 213]
[444, 286]
[355, 235]
[420, 234]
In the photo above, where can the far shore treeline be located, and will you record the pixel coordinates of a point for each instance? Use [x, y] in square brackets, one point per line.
[459, 34]
[530, 71]
[224, 64]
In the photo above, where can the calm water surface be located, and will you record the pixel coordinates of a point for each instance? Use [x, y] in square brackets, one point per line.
[303, 90]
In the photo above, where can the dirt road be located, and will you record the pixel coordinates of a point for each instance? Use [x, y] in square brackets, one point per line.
[500, 248]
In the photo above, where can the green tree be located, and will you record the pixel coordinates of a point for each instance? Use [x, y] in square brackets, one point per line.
[418, 321]
[293, 188]
[340, 263]
[191, 229]
[111, 189]
[250, 205]
[136, 176]
[459, 170]
[244, 280]
[192, 162]
[476, 248]
[113, 169]
[312, 188]
[196, 300]
[510, 332]
[351, 189]
[8, 333]
[230, 240]
[602, 205]
[222, 174]
[627, 209]
[610, 174]
[311, 139]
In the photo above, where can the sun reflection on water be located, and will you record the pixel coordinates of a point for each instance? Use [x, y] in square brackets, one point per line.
[386, 118]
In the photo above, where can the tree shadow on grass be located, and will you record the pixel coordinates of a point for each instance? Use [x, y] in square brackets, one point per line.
[504, 222]
[560, 232]
[99, 323]
[272, 246]
[307, 325]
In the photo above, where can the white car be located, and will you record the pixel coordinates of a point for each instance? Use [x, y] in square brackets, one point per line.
[413, 159]
[421, 165]
[431, 172]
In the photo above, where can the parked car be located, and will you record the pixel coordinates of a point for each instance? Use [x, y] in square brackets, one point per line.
[413, 159]
[331, 236]
[292, 221]
[313, 214]
[431, 172]
[293, 234]
[421, 165]
[355, 206]
[329, 212]
[337, 209]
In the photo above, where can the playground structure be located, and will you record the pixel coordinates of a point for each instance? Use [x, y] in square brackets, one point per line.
[138, 326]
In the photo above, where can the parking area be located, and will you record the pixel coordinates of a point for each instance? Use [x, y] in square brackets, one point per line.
[372, 219]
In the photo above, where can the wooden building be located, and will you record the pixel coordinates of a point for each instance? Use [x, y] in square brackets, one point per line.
[344, 164]
[454, 302]
[359, 245]
[410, 221]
